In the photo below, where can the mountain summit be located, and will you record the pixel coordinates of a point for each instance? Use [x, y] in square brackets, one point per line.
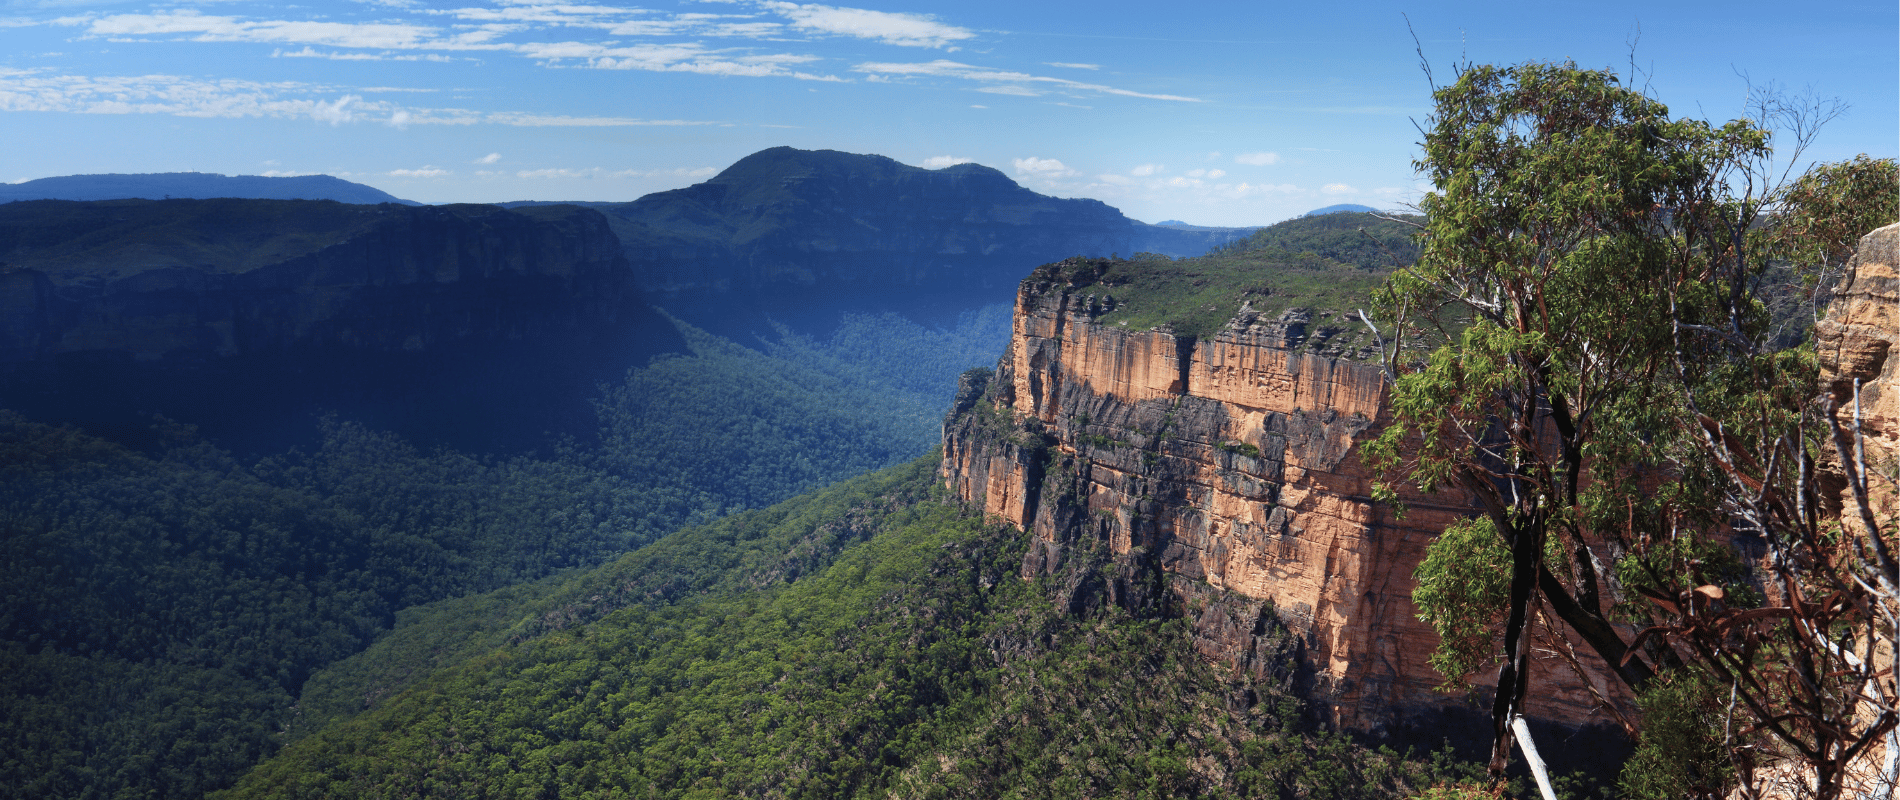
[790, 232]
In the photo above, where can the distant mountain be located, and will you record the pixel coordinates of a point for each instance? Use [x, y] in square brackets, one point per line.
[237, 315]
[1347, 237]
[1179, 225]
[196, 185]
[800, 235]
[1336, 209]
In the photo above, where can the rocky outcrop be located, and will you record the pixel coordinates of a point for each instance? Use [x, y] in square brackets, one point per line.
[1222, 474]
[213, 310]
[1859, 348]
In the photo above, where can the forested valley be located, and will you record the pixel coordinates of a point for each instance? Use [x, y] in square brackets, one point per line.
[749, 579]
[164, 608]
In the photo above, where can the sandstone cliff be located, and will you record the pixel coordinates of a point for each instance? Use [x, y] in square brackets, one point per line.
[1859, 343]
[1221, 474]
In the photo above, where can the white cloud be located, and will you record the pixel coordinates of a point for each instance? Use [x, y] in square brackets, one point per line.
[1257, 159]
[1248, 189]
[521, 120]
[425, 172]
[1117, 180]
[1145, 170]
[977, 106]
[597, 172]
[210, 28]
[1338, 188]
[284, 173]
[1071, 66]
[942, 68]
[1017, 91]
[1210, 174]
[909, 30]
[43, 90]
[939, 162]
[1042, 167]
[387, 41]
[487, 159]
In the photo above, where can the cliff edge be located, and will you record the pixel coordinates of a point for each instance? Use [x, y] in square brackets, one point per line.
[1220, 472]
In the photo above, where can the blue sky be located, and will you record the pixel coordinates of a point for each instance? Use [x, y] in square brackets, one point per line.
[1213, 113]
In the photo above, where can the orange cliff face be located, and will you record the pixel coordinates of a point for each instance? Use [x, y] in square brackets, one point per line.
[1224, 474]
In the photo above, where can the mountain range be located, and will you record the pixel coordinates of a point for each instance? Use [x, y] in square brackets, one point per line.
[385, 500]
[195, 185]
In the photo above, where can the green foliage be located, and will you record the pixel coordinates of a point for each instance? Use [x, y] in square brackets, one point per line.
[725, 428]
[1463, 583]
[1242, 448]
[862, 641]
[1681, 753]
[1826, 211]
[1198, 296]
[1369, 241]
[192, 568]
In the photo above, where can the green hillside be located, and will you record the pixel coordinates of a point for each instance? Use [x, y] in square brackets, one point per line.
[165, 610]
[868, 640]
[1321, 268]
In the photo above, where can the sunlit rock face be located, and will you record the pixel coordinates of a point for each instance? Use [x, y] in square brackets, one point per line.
[1859, 347]
[209, 311]
[1224, 475]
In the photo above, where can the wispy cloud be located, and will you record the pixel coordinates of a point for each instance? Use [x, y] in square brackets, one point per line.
[1257, 159]
[939, 162]
[1042, 167]
[425, 172]
[487, 159]
[908, 30]
[1005, 81]
[1071, 66]
[44, 90]
[590, 173]
[491, 30]
[518, 119]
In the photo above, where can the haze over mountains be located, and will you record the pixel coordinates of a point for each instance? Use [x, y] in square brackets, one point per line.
[195, 185]
[401, 424]
[218, 312]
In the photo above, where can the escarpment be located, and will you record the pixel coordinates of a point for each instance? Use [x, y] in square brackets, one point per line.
[1859, 348]
[240, 313]
[1222, 474]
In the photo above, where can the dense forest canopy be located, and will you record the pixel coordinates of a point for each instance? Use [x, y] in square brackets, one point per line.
[206, 589]
[677, 605]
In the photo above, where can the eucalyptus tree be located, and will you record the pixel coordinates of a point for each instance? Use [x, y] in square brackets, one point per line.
[1595, 270]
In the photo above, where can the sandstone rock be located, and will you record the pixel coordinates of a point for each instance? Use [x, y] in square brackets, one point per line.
[1859, 341]
[1228, 467]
